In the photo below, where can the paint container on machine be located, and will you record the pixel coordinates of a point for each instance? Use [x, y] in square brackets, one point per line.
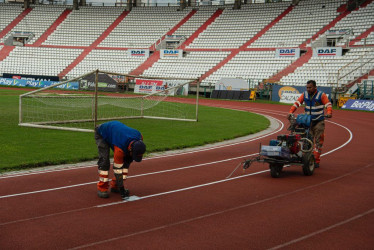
[274, 142]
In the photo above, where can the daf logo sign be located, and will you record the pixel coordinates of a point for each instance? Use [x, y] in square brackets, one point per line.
[287, 51]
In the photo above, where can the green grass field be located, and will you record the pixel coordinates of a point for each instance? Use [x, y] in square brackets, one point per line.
[24, 147]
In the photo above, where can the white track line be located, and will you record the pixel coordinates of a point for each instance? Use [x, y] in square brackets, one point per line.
[220, 181]
[184, 189]
[196, 218]
[323, 230]
[349, 140]
[280, 127]
[133, 176]
[175, 169]
[222, 211]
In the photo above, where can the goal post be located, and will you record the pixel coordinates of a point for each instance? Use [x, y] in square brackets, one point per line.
[97, 100]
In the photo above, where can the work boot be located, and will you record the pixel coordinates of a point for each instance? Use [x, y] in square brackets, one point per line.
[124, 192]
[114, 189]
[102, 194]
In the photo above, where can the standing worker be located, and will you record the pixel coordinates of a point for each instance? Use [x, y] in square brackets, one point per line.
[127, 145]
[315, 103]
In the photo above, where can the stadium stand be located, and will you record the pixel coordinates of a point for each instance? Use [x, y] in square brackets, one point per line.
[143, 27]
[303, 22]
[193, 65]
[250, 65]
[325, 70]
[220, 41]
[363, 19]
[234, 27]
[203, 27]
[82, 27]
[39, 61]
[52, 28]
[106, 60]
[369, 38]
[10, 16]
[196, 21]
[37, 21]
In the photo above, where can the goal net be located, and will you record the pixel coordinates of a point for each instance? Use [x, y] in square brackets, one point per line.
[97, 99]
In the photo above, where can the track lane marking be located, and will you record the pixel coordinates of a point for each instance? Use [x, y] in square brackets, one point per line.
[280, 127]
[358, 216]
[133, 176]
[176, 169]
[222, 211]
[228, 179]
[204, 216]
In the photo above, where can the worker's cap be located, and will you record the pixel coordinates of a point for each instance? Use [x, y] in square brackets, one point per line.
[138, 149]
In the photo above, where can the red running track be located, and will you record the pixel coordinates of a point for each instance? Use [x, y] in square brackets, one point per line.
[186, 202]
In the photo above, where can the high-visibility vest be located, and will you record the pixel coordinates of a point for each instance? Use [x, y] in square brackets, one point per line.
[314, 105]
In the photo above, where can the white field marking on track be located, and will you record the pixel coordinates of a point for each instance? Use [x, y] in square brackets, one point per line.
[228, 179]
[193, 219]
[162, 156]
[43, 171]
[114, 203]
[222, 211]
[323, 230]
[349, 140]
[184, 189]
[176, 169]
[215, 182]
[133, 176]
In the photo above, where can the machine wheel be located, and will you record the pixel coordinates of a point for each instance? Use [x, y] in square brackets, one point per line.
[275, 169]
[308, 164]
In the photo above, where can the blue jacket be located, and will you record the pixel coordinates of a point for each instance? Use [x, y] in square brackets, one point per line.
[118, 134]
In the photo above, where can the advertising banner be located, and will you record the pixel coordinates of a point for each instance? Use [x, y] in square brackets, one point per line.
[232, 84]
[289, 97]
[367, 105]
[105, 83]
[168, 53]
[138, 53]
[32, 77]
[327, 52]
[289, 94]
[36, 84]
[183, 90]
[145, 86]
[148, 86]
[337, 33]
[287, 52]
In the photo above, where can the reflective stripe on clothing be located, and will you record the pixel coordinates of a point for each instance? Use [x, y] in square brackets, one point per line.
[117, 170]
[117, 165]
[103, 176]
[125, 172]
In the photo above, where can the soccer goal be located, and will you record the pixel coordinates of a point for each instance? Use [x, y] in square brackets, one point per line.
[97, 100]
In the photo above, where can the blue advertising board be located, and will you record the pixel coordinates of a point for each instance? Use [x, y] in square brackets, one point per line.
[36, 84]
[289, 94]
[367, 105]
